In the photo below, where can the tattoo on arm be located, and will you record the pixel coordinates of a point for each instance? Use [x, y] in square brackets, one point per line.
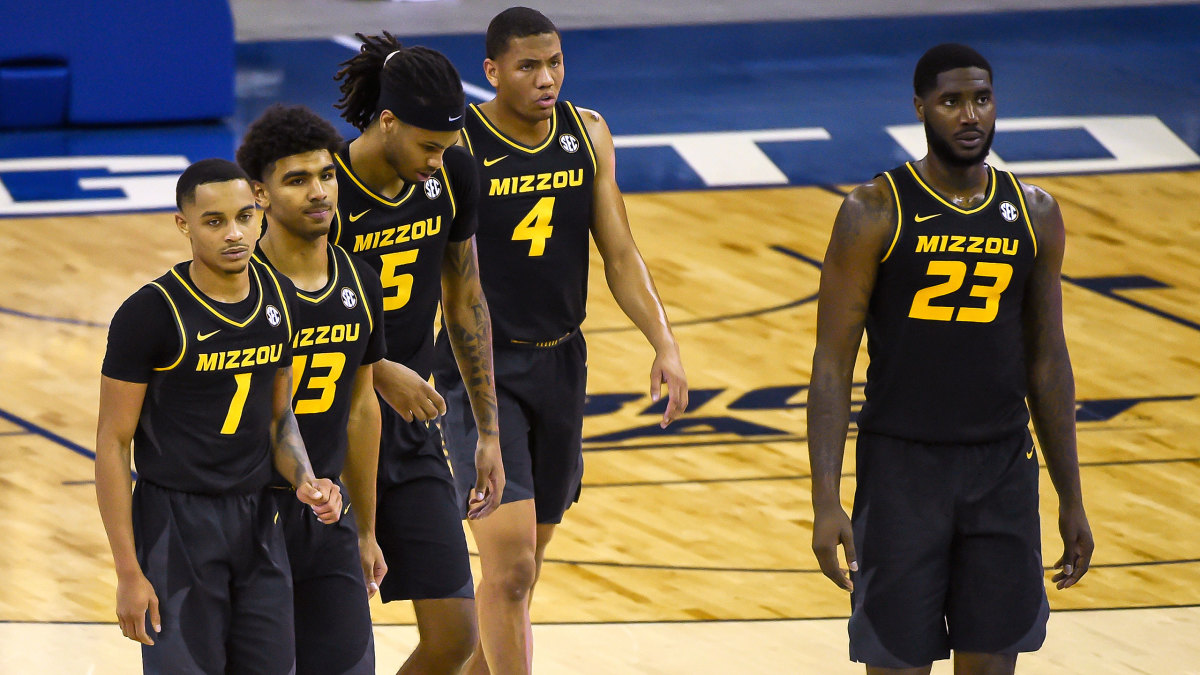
[469, 326]
[291, 457]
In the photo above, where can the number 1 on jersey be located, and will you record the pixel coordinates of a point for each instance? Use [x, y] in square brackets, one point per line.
[535, 227]
[234, 417]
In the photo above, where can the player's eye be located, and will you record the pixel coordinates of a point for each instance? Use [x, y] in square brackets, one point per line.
[328, 175]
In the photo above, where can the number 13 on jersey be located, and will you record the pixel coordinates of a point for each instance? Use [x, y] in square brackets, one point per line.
[535, 227]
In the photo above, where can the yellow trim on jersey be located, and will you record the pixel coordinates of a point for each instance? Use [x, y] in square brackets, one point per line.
[337, 231]
[587, 139]
[362, 293]
[899, 217]
[318, 299]
[935, 195]
[523, 148]
[366, 190]
[1024, 210]
[287, 315]
[178, 322]
[217, 314]
[467, 139]
[449, 192]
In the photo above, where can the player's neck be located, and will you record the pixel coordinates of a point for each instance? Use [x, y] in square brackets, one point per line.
[520, 129]
[218, 284]
[964, 183]
[304, 261]
[369, 165]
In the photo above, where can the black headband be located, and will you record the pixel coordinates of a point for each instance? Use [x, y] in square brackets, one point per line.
[430, 117]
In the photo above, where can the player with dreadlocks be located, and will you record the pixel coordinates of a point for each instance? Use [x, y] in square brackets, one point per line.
[407, 207]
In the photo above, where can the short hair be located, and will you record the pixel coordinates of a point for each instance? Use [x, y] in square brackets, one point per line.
[282, 131]
[515, 22]
[381, 61]
[941, 58]
[205, 171]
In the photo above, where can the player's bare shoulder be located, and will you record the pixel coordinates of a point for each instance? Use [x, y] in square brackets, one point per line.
[1044, 212]
[592, 121]
[868, 216]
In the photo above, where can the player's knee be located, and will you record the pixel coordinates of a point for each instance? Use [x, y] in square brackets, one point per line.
[517, 579]
[453, 648]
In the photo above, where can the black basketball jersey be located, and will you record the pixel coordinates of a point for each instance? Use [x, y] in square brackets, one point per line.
[404, 240]
[535, 217]
[944, 335]
[205, 424]
[338, 329]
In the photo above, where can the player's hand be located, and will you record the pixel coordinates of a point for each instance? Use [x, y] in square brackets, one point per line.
[668, 368]
[407, 392]
[325, 498]
[135, 597]
[373, 566]
[831, 528]
[1077, 546]
[489, 479]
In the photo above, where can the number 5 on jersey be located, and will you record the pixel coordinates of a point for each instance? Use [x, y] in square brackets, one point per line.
[535, 227]
[403, 283]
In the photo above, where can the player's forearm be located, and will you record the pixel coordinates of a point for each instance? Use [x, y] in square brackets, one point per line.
[633, 288]
[469, 326]
[114, 487]
[828, 412]
[362, 463]
[289, 453]
[1052, 408]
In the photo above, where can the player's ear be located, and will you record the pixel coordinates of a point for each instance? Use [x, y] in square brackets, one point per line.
[260, 194]
[387, 120]
[181, 223]
[919, 104]
[491, 71]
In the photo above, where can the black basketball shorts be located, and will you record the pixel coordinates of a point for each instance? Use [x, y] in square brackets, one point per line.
[949, 551]
[540, 395]
[329, 593]
[417, 523]
[219, 567]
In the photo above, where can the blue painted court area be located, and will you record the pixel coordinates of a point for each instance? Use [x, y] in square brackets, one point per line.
[796, 103]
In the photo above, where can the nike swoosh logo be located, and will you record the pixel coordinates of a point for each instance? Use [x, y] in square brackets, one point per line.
[1029, 455]
[356, 216]
[489, 162]
[455, 119]
[201, 337]
[921, 219]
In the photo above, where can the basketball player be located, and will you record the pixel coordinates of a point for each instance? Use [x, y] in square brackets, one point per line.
[953, 268]
[407, 207]
[288, 154]
[548, 180]
[198, 377]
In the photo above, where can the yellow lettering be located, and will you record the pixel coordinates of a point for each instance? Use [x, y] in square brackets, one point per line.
[927, 244]
[1014, 243]
[385, 238]
[322, 335]
[526, 183]
[543, 181]
[499, 187]
[352, 332]
[975, 246]
[210, 361]
[435, 226]
[263, 355]
[993, 245]
[956, 243]
[561, 179]
[338, 334]
[576, 177]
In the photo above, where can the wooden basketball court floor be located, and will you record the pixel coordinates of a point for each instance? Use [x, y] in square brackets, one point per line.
[689, 552]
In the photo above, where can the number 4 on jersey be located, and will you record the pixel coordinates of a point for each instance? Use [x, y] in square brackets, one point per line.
[535, 227]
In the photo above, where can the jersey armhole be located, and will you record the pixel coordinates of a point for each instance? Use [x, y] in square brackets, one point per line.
[178, 326]
[587, 139]
[467, 141]
[899, 216]
[362, 292]
[1024, 211]
[450, 192]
